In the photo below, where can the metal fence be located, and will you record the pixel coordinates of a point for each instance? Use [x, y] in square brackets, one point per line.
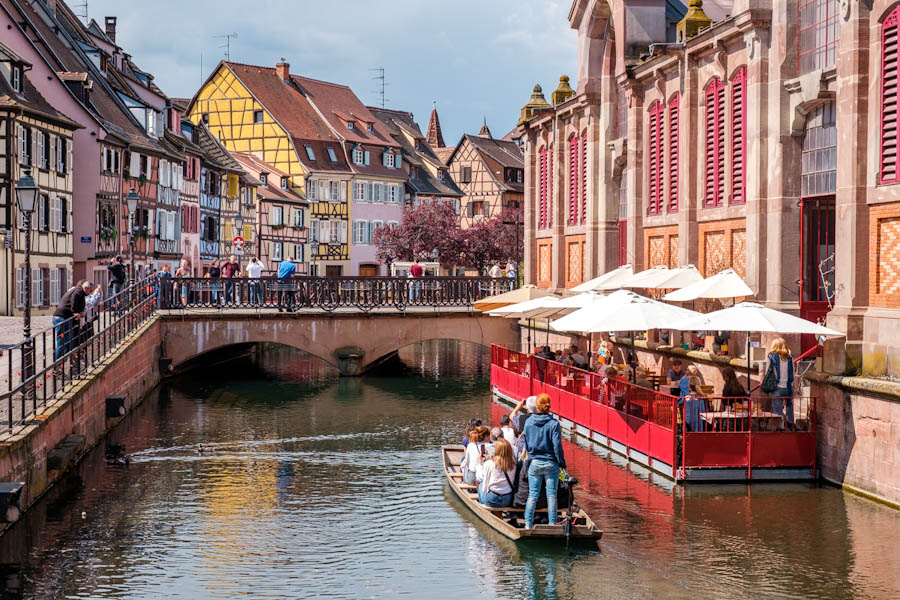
[37, 372]
[329, 293]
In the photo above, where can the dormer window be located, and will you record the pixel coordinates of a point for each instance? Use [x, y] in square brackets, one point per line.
[358, 157]
[370, 127]
[331, 155]
[351, 125]
[284, 183]
[264, 179]
[389, 160]
[441, 174]
[309, 153]
[16, 78]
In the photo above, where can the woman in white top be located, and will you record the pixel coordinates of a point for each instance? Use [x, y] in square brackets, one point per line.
[496, 489]
[254, 271]
[476, 454]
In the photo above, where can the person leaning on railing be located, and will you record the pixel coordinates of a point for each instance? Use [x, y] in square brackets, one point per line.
[70, 308]
[183, 272]
[254, 272]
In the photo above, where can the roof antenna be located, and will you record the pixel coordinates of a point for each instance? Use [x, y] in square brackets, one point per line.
[227, 44]
[379, 87]
[81, 10]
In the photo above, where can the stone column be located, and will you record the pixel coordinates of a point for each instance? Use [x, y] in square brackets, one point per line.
[851, 250]
[558, 204]
[634, 171]
[530, 217]
[690, 163]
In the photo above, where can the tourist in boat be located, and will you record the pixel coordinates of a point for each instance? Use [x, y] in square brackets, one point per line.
[732, 391]
[780, 362]
[543, 441]
[498, 473]
[674, 376]
[519, 415]
[473, 423]
[509, 434]
[475, 455]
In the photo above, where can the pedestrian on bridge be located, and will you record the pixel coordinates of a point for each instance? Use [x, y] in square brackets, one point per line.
[286, 270]
[254, 272]
[230, 269]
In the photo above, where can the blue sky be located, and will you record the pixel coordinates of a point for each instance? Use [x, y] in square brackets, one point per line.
[476, 58]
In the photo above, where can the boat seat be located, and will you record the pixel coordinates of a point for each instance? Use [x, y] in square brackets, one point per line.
[466, 486]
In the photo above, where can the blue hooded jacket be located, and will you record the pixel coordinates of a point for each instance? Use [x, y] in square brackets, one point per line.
[543, 439]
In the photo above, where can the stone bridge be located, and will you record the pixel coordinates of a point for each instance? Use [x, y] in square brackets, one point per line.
[350, 340]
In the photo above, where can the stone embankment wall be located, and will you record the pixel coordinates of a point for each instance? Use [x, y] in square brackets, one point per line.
[131, 370]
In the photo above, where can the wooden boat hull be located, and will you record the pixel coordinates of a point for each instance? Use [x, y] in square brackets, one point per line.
[452, 455]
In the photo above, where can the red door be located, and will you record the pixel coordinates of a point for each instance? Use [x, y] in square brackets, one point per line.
[817, 262]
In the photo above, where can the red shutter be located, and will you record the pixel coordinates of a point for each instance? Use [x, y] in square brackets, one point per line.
[673, 154]
[542, 208]
[573, 180]
[654, 160]
[715, 140]
[889, 172]
[738, 136]
[584, 178]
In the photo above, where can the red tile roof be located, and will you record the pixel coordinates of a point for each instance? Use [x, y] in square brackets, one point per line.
[254, 167]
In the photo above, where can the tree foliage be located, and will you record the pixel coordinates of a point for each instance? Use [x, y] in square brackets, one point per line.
[432, 226]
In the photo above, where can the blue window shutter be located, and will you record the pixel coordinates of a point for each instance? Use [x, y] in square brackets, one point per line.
[398, 161]
[367, 157]
[384, 158]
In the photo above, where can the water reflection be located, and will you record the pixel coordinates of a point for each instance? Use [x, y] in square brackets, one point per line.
[267, 476]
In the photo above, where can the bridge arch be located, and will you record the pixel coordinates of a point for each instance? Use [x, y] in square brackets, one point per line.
[350, 342]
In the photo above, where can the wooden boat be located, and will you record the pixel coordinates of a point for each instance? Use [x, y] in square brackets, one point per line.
[513, 526]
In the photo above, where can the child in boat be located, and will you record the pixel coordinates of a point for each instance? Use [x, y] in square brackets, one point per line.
[496, 489]
[476, 454]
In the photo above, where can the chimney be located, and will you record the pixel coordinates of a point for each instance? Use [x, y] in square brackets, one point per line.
[283, 69]
[111, 28]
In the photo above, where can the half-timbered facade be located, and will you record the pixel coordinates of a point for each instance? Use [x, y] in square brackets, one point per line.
[281, 229]
[34, 137]
[262, 110]
[490, 172]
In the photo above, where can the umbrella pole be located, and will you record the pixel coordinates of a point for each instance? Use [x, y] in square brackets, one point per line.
[749, 381]
[634, 360]
[528, 349]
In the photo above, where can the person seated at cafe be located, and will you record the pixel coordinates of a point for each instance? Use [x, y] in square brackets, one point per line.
[603, 355]
[547, 353]
[577, 357]
[732, 391]
[476, 454]
[473, 423]
[498, 474]
[611, 374]
[694, 403]
[509, 433]
[642, 380]
[674, 376]
[684, 382]
[566, 358]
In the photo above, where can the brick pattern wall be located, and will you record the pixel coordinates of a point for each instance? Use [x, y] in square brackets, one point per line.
[661, 246]
[884, 261]
[545, 262]
[723, 245]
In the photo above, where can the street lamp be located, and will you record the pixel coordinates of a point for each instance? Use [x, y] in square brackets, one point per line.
[26, 197]
[132, 199]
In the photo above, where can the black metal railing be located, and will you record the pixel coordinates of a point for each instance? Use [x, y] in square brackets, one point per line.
[38, 371]
[329, 293]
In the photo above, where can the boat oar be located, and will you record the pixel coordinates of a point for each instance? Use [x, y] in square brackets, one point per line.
[570, 520]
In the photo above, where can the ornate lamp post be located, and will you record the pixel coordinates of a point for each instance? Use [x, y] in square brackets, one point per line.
[26, 197]
[132, 199]
[238, 225]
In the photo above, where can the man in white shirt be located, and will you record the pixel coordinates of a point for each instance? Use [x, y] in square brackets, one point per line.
[254, 271]
[496, 271]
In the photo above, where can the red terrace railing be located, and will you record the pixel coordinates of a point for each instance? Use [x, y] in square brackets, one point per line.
[683, 434]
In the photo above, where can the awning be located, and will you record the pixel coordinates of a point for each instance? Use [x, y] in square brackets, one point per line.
[526, 292]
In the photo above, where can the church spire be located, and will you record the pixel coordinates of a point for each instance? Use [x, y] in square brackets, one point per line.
[485, 132]
[434, 137]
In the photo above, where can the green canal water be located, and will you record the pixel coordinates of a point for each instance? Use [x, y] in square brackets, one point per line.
[310, 486]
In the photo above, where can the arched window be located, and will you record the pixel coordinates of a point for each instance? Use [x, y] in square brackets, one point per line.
[673, 153]
[574, 176]
[654, 159]
[584, 177]
[738, 136]
[543, 221]
[714, 143]
[888, 168]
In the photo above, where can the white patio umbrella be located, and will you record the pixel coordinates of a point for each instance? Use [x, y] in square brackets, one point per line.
[545, 306]
[623, 311]
[752, 316]
[648, 277]
[725, 284]
[608, 281]
[679, 277]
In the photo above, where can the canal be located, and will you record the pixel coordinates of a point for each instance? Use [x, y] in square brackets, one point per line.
[263, 475]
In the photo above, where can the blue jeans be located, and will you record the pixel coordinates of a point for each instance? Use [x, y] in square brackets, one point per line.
[548, 472]
[62, 330]
[779, 405]
[254, 292]
[495, 500]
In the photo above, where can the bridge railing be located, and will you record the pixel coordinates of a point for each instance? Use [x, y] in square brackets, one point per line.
[328, 293]
[38, 371]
